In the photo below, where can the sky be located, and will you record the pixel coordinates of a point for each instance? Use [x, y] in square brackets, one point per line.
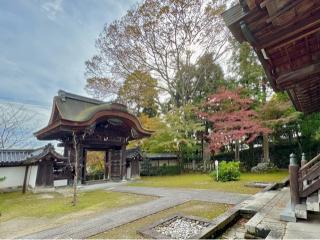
[44, 44]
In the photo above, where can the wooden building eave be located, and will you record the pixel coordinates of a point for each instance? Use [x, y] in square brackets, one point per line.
[286, 37]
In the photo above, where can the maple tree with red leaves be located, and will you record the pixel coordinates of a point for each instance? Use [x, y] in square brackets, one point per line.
[233, 120]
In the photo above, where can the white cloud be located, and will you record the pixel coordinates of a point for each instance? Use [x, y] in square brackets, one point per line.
[52, 8]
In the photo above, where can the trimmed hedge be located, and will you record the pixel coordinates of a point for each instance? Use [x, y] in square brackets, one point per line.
[279, 155]
[148, 170]
[161, 171]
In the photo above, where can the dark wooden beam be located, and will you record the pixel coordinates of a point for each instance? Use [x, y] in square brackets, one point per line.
[281, 35]
[24, 188]
[301, 76]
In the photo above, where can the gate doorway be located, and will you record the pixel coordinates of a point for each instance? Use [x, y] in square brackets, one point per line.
[96, 165]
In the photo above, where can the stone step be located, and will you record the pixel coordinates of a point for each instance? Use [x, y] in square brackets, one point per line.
[313, 202]
[301, 211]
[251, 225]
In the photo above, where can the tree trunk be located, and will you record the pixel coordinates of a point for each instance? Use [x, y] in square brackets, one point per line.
[75, 178]
[266, 157]
[237, 152]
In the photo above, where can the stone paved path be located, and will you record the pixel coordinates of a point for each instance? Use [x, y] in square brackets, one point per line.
[84, 228]
[188, 194]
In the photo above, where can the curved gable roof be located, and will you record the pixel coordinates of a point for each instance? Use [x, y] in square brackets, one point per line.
[70, 110]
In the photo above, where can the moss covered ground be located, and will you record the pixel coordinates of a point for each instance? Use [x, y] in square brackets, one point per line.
[54, 204]
[205, 181]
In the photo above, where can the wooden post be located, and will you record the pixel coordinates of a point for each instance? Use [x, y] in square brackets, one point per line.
[24, 188]
[75, 177]
[237, 151]
[294, 185]
[106, 169]
[124, 162]
[303, 159]
[303, 162]
[109, 163]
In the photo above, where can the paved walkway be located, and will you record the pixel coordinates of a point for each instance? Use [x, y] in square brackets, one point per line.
[84, 228]
[187, 194]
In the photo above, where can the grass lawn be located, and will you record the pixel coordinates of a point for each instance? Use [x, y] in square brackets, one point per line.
[53, 204]
[204, 181]
[194, 208]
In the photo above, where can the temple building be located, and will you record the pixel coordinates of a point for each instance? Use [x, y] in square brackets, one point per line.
[83, 125]
[285, 34]
[286, 37]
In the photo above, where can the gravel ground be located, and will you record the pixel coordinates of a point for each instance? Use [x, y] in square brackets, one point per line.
[181, 228]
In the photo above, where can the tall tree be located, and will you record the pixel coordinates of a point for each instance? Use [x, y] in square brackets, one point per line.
[279, 115]
[203, 78]
[139, 93]
[179, 129]
[251, 76]
[160, 37]
[233, 120]
[103, 88]
[15, 130]
[248, 70]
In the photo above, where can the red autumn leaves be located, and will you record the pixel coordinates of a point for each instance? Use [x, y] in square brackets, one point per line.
[232, 118]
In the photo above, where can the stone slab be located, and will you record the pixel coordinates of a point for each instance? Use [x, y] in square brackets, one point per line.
[313, 202]
[301, 211]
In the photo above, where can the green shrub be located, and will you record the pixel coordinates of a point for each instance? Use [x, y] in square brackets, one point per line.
[228, 171]
[2, 178]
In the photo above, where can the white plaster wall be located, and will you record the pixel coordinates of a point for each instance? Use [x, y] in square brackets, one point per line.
[60, 183]
[32, 176]
[14, 176]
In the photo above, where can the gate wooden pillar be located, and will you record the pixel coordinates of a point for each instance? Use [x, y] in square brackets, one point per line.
[123, 161]
[294, 185]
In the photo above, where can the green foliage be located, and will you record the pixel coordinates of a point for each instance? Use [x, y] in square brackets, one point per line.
[197, 81]
[228, 171]
[310, 126]
[95, 165]
[179, 129]
[2, 179]
[279, 115]
[278, 112]
[249, 72]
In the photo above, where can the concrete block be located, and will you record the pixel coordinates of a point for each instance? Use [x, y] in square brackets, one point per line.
[275, 235]
[251, 225]
[313, 202]
[301, 211]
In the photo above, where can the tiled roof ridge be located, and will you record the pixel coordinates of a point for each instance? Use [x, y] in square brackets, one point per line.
[63, 95]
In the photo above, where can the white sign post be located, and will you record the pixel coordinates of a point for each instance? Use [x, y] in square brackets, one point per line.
[216, 164]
